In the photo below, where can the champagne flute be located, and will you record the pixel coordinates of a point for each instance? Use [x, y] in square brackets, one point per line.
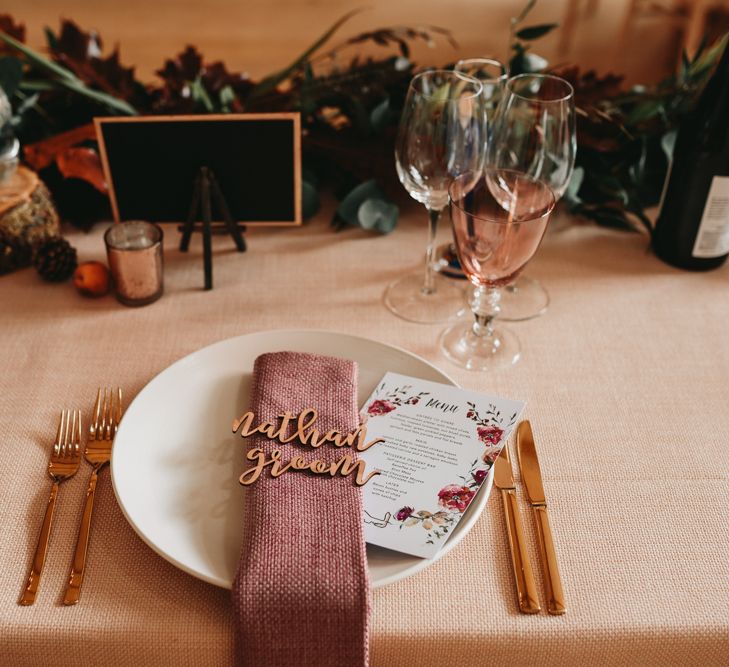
[441, 135]
[533, 131]
[499, 218]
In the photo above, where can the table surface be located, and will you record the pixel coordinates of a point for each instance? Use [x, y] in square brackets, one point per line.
[625, 380]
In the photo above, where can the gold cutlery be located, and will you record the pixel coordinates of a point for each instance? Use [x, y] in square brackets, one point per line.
[526, 589]
[532, 478]
[64, 462]
[98, 452]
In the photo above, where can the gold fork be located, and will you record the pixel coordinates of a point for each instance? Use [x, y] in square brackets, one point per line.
[98, 452]
[65, 461]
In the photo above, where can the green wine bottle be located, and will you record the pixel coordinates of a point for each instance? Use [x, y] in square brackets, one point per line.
[692, 230]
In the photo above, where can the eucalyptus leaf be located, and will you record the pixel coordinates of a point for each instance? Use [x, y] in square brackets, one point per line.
[310, 176]
[348, 209]
[668, 142]
[573, 188]
[378, 214]
[534, 63]
[367, 206]
[535, 31]
[637, 170]
[310, 201]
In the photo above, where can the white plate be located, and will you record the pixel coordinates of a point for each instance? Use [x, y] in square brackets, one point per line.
[175, 462]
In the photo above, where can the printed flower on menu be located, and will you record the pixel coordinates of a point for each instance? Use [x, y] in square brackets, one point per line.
[404, 513]
[489, 435]
[455, 497]
[491, 454]
[479, 476]
[380, 407]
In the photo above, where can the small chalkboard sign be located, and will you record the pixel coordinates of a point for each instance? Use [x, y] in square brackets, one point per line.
[151, 164]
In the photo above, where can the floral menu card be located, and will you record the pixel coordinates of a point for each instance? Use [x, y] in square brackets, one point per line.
[439, 442]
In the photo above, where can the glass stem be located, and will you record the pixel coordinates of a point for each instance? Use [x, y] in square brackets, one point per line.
[485, 307]
[429, 279]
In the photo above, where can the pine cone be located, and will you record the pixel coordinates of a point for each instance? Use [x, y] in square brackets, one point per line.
[55, 260]
[15, 252]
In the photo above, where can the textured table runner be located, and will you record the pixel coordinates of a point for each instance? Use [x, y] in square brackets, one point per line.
[301, 594]
[625, 379]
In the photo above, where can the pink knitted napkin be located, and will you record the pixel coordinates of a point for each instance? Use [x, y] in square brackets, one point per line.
[301, 594]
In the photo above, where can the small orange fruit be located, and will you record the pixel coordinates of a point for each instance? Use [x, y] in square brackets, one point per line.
[91, 278]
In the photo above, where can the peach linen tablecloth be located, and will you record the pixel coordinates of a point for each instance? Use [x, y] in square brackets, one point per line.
[627, 384]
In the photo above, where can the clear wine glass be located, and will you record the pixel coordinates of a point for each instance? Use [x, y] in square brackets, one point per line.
[441, 135]
[499, 218]
[493, 75]
[533, 131]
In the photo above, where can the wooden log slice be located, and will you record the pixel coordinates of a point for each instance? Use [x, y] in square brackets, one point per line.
[26, 207]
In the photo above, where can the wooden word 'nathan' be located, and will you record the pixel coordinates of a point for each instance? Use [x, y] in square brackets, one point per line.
[304, 433]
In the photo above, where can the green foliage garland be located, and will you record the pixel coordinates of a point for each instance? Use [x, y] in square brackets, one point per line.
[350, 107]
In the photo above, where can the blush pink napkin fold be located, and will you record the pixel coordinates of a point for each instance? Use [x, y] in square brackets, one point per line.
[301, 594]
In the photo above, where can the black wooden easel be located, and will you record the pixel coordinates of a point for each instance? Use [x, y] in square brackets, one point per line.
[205, 190]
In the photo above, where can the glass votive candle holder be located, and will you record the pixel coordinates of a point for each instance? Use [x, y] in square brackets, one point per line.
[134, 250]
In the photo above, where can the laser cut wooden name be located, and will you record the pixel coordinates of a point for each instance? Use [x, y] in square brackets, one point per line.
[305, 434]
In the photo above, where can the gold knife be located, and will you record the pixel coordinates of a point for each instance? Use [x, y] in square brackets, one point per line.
[532, 478]
[526, 589]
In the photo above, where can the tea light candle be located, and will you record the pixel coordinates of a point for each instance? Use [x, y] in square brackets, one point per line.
[134, 250]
